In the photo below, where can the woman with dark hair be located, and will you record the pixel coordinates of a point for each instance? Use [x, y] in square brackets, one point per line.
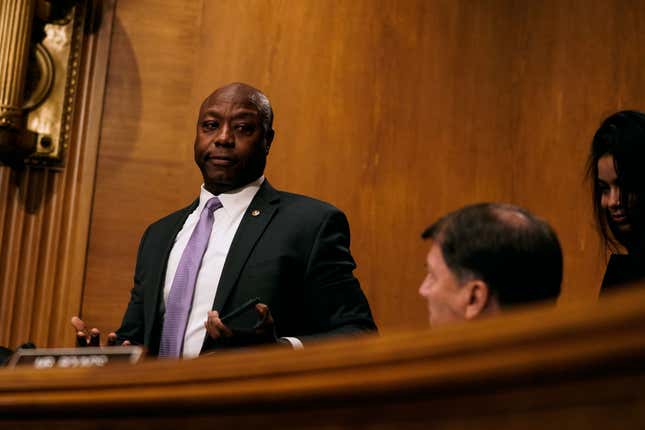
[617, 169]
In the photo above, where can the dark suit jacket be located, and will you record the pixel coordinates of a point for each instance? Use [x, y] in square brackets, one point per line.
[622, 270]
[294, 256]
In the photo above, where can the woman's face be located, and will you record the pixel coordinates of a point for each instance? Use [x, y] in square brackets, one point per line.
[610, 197]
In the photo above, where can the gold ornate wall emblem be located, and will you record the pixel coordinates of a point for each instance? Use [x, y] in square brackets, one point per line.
[40, 55]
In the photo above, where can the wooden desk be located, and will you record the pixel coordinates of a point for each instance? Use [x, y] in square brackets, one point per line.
[570, 367]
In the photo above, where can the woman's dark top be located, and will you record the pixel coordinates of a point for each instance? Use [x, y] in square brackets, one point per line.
[622, 269]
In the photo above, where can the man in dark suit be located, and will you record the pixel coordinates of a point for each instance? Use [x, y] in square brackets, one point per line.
[290, 251]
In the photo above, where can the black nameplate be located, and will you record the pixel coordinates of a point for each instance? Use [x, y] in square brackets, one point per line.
[67, 358]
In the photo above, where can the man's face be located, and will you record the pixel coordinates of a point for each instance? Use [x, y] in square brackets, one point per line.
[230, 145]
[447, 300]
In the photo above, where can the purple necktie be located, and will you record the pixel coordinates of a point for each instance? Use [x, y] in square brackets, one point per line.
[180, 297]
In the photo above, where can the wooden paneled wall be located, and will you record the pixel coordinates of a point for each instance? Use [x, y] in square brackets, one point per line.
[45, 216]
[145, 161]
[396, 111]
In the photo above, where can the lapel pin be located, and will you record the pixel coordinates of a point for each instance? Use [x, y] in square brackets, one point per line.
[255, 212]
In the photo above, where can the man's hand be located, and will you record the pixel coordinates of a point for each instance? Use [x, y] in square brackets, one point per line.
[93, 337]
[262, 332]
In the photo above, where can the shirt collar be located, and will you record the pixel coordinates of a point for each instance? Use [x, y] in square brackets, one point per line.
[234, 201]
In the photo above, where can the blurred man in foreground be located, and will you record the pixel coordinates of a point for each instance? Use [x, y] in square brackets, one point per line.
[486, 257]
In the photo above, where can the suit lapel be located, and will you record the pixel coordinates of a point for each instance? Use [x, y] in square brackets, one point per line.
[254, 222]
[154, 304]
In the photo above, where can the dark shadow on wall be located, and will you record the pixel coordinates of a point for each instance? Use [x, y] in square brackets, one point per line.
[120, 126]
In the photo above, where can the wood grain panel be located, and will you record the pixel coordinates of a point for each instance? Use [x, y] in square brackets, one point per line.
[45, 216]
[146, 142]
[394, 111]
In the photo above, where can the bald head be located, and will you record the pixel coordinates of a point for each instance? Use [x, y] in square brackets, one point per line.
[238, 92]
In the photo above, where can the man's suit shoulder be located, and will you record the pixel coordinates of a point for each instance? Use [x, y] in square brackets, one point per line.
[305, 203]
[171, 221]
[299, 204]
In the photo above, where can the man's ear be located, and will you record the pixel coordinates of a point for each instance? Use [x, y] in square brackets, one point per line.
[268, 139]
[478, 297]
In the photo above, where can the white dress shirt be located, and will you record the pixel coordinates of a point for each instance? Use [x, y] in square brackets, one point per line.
[226, 221]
